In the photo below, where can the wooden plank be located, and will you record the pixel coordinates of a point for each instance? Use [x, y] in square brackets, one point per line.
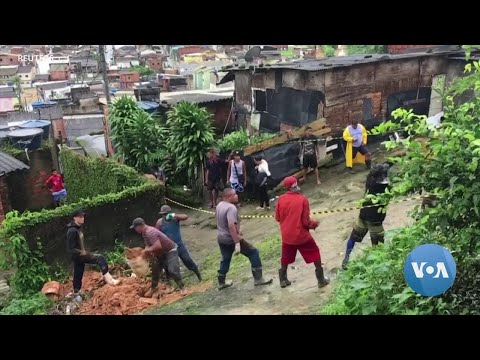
[315, 80]
[350, 76]
[243, 87]
[258, 80]
[270, 80]
[294, 79]
[341, 94]
[318, 126]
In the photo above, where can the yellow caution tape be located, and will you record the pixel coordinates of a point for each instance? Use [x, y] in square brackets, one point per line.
[318, 212]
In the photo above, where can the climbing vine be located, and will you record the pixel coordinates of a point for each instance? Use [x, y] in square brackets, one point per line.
[88, 177]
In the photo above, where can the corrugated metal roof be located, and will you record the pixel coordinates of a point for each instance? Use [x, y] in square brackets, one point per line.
[9, 164]
[338, 61]
[196, 96]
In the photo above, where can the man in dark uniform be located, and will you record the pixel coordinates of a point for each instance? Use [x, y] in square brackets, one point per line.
[309, 152]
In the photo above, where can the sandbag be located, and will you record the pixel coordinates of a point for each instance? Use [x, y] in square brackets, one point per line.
[138, 261]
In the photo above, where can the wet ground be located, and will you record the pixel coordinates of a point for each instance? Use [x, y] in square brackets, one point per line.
[339, 189]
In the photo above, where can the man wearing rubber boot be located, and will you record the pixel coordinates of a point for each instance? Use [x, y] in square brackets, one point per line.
[80, 256]
[163, 253]
[293, 214]
[231, 242]
[169, 224]
[370, 218]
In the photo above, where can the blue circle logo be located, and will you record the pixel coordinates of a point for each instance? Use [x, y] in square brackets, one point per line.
[430, 270]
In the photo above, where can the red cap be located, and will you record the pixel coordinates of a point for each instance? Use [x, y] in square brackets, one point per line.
[290, 182]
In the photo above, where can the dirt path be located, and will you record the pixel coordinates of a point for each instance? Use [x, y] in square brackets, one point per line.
[338, 190]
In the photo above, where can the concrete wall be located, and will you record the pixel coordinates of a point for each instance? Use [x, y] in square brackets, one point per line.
[103, 225]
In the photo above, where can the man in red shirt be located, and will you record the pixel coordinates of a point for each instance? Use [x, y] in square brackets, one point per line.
[293, 214]
[56, 187]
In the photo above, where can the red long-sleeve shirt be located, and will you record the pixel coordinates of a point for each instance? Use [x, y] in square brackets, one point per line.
[56, 181]
[293, 214]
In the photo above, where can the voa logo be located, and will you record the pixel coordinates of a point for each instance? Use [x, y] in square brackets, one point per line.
[430, 270]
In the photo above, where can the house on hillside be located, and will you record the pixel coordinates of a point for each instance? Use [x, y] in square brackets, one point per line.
[287, 95]
[8, 73]
[26, 74]
[217, 101]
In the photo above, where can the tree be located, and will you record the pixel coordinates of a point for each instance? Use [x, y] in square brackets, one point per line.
[137, 137]
[366, 49]
[17, 83]
[191, 134]
[442, 161]
[143, 71]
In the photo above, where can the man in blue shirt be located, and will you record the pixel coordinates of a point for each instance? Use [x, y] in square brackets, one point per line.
[169, 224]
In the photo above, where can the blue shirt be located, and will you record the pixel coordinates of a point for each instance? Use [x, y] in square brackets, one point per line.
[171, 229]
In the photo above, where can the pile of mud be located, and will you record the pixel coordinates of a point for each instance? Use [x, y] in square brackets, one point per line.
[125, 298]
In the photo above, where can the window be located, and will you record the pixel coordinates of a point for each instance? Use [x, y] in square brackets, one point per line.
[260, 100]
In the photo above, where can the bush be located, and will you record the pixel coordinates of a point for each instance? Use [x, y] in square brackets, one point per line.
[38, 304]
[88, 177]
[238, 140]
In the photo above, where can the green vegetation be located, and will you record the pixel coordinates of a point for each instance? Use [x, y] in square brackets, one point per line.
[37, 304]
[88, 177]
[238, 140]
[138, 138]
[142, 70]
[374, 283]
[365, 49]
[191, 135]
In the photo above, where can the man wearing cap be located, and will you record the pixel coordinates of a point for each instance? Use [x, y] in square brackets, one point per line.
[169, 224]
[230, 241]
[293, 214]
[371, 217]
[163, 253]
[80, 256]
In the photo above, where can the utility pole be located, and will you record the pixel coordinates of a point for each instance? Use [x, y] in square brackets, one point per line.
[103, 67]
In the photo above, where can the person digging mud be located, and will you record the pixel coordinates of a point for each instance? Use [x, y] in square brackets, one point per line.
[80, 257]
[163, 252]
[230, 241]
[370, 219]
[169, 224]
[293, 214]
[356, 137]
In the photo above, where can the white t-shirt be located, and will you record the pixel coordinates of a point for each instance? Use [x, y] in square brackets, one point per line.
[233, 174]
[263, 167]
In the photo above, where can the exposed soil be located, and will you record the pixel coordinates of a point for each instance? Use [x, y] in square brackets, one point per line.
[125, 298]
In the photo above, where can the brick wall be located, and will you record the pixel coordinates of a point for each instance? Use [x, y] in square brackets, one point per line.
[59, 75]
[400, 49]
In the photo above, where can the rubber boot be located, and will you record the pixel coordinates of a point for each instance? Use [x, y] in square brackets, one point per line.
[345, 262]
[110, 280]
[321, 278]
[222, 284]
[199, 276]
[368, 164]
[258, 277]
[282, 275]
